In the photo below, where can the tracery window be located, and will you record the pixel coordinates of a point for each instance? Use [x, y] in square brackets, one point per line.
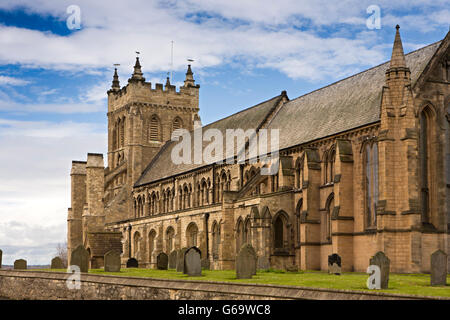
[371, 183]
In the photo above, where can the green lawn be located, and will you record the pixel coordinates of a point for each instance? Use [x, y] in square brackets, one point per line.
[413, 284]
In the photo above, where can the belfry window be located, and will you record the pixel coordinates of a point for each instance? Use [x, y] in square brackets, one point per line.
[371, 183]
[154, 129]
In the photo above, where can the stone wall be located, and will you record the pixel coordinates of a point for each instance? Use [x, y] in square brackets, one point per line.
[43, 285]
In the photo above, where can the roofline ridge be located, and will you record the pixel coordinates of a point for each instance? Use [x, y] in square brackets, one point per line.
[356, 74]
[246, 109]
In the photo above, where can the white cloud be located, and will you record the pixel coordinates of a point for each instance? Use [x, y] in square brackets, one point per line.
[35, 164]
[5, 80]
[111, 33]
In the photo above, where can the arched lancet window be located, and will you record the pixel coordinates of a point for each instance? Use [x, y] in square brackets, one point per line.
[278, 233]
[154, 129]
[332, 157]
[151, 244]
[122, 133]
[114, 138]
[247, 232]
[177, 124]
[215, 240]
[371, 183]
[327, 223]
[136, 244]
[426, 152]
[299, 173]
[170, 237]
[298, 215]
[191, 233]
[239, 235]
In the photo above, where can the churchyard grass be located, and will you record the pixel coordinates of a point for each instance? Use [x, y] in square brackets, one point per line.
[413, 284]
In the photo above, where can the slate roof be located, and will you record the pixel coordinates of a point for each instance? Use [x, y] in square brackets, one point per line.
[347, 104]
[343, 105]
[162, 165]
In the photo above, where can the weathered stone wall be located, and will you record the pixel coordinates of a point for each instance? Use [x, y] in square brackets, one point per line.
[42, 285]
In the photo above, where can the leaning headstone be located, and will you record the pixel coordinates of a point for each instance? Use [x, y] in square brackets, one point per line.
[132, 263]
[20, 264]
[334, 264]
[180, 259]
[162, 261]
[1, 254]
[246, 262]
[383, 262]
[263, 263]
[205, 264]
[57, 263]
[80, 258]
[173, 260]
[112, 261]
[439, 268]
[192, 262]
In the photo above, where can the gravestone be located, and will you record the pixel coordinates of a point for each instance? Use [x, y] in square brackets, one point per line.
[334, 264]
[173, 260]
[162, 261]
[205, 264]
[1, 254]
[246, 262]
[132, 263]
[292, 268]
[383, 262]
[80, 258]
[57, 263]
[263, 263]
[180, 259]
[20, 264]
[439, 268]
[192, 262]
[112, 261]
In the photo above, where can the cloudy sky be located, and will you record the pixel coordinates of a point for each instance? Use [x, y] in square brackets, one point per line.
[53, 77]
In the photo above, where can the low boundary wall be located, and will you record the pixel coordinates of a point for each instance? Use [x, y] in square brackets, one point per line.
[38, 285]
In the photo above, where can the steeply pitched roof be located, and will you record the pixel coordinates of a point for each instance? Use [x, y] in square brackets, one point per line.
[162, 165]
[347, 104]
[343, 105]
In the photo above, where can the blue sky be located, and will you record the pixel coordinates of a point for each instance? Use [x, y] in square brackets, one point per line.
[53, 80]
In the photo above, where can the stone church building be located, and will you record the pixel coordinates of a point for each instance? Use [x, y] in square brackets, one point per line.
[364, 166]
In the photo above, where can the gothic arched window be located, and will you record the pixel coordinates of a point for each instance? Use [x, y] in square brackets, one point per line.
[371, 183]
[191, 233]
[177, 124]
[154, 129]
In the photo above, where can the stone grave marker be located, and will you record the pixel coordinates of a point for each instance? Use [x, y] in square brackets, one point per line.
[173, 260]
[57, 263]
[162, 261]
[246, 262]
[112, 261]
[439, 268]
[192, 262]
[383, 262]
[334, 264]
[80, 257]
[132, 263]
[20, 264]
[180, 259]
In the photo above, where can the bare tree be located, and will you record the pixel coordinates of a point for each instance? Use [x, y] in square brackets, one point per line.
[61, 252]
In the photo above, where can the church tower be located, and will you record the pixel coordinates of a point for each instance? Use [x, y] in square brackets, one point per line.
[141, 118]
